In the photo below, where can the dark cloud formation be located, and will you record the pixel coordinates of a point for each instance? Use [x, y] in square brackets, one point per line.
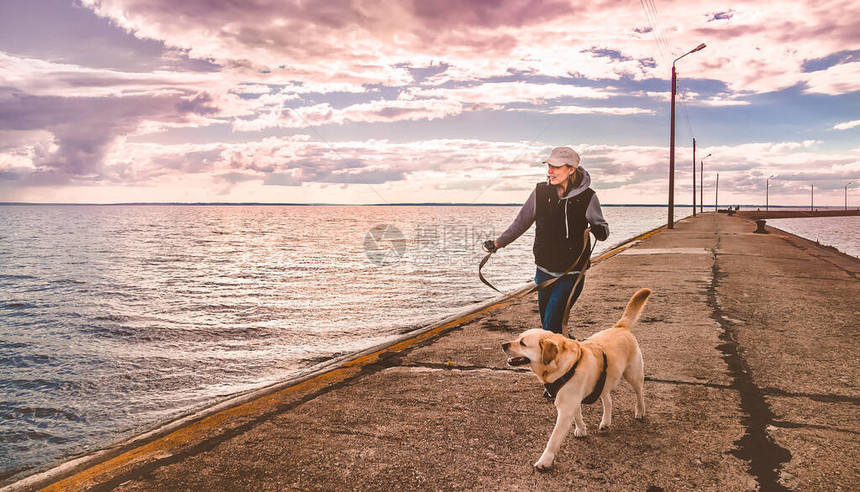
[608, 53]
[85, 127]
[339, 14]
[302, 30]
[718, 16]
[422, 73]
[446, 14]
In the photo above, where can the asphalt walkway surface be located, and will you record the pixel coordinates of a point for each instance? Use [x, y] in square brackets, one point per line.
[752, 381]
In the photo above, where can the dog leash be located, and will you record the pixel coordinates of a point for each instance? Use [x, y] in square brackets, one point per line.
[546, 283]
[586, 265]
[481, 276]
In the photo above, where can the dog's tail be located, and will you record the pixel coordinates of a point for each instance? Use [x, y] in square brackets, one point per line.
[633, 309]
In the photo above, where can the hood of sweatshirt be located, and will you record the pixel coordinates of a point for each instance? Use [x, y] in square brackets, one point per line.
[586, 182]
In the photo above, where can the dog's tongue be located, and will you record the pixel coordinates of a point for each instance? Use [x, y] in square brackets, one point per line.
[517, 361]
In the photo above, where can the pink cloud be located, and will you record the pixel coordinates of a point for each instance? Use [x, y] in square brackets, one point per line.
[839, 79]
[754, 46]
[446, 170]
[388, 61]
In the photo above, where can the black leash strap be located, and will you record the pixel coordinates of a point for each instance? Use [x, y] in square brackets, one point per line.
[546, 283]
[481, 276]
[569, 303]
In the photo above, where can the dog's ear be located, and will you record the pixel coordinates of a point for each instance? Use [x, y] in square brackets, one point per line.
[549, 349]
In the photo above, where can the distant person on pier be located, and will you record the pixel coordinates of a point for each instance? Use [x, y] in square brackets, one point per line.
[561, 208]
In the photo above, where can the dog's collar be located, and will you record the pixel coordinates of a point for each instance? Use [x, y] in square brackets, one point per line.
[554, 387]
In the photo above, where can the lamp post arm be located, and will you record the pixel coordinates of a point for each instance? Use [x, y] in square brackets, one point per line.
[697, 48]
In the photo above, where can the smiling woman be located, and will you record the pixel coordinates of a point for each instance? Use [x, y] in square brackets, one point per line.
[562, 209]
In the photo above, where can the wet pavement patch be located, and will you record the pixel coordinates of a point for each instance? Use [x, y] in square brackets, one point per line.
[765, 457]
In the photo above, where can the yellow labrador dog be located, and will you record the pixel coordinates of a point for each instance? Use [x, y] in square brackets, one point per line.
[579, 372]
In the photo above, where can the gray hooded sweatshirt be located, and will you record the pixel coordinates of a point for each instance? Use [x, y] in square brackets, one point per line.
[526, 217]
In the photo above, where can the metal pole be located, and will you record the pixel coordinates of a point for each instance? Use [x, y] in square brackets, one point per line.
[671, 224]
[717, 194]
[767, 194]
[701, 182]
[812, 198]
[846, 196]
[694, 177]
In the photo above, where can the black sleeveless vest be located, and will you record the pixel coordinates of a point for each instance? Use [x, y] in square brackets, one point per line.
[557, 247]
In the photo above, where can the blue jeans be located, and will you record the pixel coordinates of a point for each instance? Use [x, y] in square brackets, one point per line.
[553, 299]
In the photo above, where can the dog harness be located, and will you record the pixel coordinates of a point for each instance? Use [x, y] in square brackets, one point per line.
[554, 387]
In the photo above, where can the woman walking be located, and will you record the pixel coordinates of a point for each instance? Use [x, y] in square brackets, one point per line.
[561, 209]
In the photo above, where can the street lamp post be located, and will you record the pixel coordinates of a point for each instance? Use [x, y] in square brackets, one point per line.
[812, 198]
[694, 177]
[767, 194]
[846, 196]
[671, 224]
[717, 194]
[702, 182]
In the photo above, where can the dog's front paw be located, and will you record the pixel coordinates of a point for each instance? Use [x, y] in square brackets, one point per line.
[543, 464]
[580, 431]
[603, 426]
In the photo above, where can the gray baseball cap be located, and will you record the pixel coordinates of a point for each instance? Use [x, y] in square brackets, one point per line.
[563, 156]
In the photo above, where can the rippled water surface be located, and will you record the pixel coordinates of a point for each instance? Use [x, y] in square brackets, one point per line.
[116, 318]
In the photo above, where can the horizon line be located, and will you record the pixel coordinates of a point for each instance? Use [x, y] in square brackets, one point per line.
[399, 204]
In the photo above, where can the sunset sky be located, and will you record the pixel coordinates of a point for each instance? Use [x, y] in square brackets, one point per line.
[384, 101]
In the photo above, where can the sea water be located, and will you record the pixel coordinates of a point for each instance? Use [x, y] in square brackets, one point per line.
[843, 233]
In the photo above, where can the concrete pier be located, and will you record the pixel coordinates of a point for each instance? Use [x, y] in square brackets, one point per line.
[751, 352]
[798, 214]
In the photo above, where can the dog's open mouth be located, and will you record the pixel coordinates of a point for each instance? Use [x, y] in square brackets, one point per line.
[518, 361]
